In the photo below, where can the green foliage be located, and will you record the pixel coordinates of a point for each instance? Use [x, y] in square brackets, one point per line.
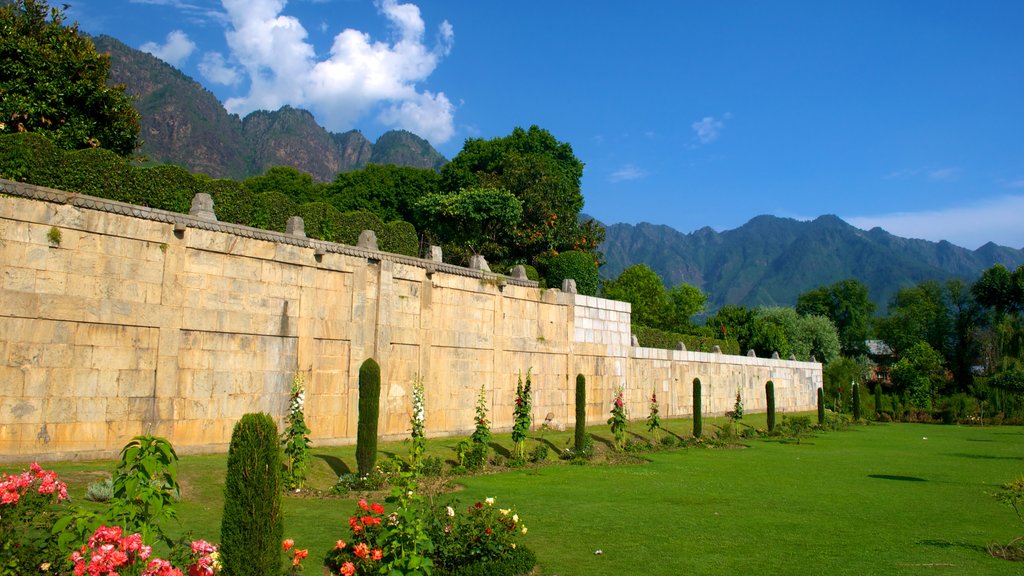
[54, 82]
[29, 157]
[856, 402]
[878, 398]
[320, 220]
[685, 301]
[848, 305]
[27, 513]
[271, 211]
[519, 561]
[399, 237]
[232, 201]
[840, 372]
[353, 224]
[580, 431]
[53, 236]
[417, 421]
[482, 426]
[145, 488]
[917, 313]
[769, 392]
[98, 172]
[782, 330]
[737, 407]
[388, 191]
[295, 438]
[821, 407]
[100, 491]
[643, 289]
[698, 414]
[289, 181]
[1001, 290]
[252, 524]
[733, 322]
[576, 265]
[369, 412]
[919, 374]
[472, 221]
[167, 187]
[655, 338]
[618, 419]
[654, 418]
[522, 415]
[479, 539]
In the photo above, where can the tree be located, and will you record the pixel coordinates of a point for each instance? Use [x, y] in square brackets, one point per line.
[916, 314]
[685, 301]
[782, 330]
[643, 289]
[1001, 290]
[472, 221]
[575, 265]
[919, 374]
[54, 82]
[733, 321]
[388, 191]
[544, 174]
[291, 182]
[850, 308]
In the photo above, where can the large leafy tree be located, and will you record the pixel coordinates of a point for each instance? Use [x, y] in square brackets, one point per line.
[388, 191]
[54, 82]
[291, 182]
[472, 221]
[850, 308]
[544, 174]
[917, 313]
[644, 290]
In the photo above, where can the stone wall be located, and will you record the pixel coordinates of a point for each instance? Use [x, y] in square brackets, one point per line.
[142, 321]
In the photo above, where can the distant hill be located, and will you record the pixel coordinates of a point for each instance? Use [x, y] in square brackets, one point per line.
[770, 260]
[184, 124]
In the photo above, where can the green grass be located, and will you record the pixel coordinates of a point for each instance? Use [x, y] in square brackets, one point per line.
[880, 499]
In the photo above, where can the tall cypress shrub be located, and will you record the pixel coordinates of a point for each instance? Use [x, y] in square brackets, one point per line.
[878, 398]
[821, 407]
[252, 526]
[369, 412]
[769, 391]
[856, 402]
[581, 412]
[698, 423]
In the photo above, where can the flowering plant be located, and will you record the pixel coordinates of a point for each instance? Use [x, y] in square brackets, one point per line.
[482, 433]
[483, 533]
[26, 514]
[522, 415]
[419, 440]
[297, 555]
[654, 419]
[109, 552]
[295, 438]
[618, 419]
[204, 559]
[373, 545]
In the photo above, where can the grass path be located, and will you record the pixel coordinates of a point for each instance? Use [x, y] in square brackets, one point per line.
[882, 499]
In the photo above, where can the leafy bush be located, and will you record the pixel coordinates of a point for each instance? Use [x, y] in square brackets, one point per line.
[232, 201]
[346, 483]
[295, 438]
[399, 237]
[579, 455]
[654, 338]
[29, 157]
[579, 266]
[98, 172]
[522, 417]
[618, 419]
[369, 413]
[145, 487]
[432, 466]
[252, 524]
[482, 426]
[26, 516]
[167, 187]
[539, 453]
[321, 220]
[483, 534]
[101, 491]
[353, 223]
[519, 562]
[271, 211]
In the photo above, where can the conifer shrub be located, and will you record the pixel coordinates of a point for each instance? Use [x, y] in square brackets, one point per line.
[856, 402]
[769, 391]
[252, 526]
[581, 413]
[369, 413]
[698, 422]
[878, 398]
[821, 407]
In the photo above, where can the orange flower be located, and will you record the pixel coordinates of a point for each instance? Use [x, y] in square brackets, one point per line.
[376, 554]
[288, 544]
[340, 544]
[300, 555]
[361, 550]
[348, 569]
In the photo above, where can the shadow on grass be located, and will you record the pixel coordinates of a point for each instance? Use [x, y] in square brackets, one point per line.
[948, 544]
[603, 440]
[336, 464]
[550, 444]
[985, 457]
[500, 450]
[978, 440]
[900, 478]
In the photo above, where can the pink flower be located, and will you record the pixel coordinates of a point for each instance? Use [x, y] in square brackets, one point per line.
[364, 505]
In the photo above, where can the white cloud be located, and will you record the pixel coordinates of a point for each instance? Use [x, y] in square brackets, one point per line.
[214, 68]
[627, 172]
[360, 76]
[175, 50]
[947, 174]
[709, 128]
[995, 219]
[944, 174]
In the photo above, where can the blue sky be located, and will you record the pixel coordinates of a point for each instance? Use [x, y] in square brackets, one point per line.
[904, 115]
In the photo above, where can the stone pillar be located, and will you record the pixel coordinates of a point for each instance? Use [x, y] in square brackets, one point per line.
[296, 227]
[368, 240]
[202, 207]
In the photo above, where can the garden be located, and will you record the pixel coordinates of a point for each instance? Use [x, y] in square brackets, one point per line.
[739, 493]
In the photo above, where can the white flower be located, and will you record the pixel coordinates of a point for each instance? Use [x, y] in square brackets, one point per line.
[504, 511]
[524, 529]
[515, 517]
[489, 501]
[451, 511]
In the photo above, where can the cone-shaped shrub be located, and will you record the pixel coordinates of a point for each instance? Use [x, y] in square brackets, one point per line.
[581, 411]
[369, 412]
[252, 526]
[878, 398]
[856, 402]
[821, 407]
[698, 423]
[769, 392]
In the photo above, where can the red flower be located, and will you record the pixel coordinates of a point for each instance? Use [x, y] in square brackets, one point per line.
[300, 555]
[287, 544]
[361, 550]
[340, 544]
[348, 569]
[376, 554]
[364, 505]
[377, 508]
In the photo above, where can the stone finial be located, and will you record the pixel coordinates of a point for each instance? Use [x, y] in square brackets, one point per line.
[717, 349]
[680, 347]
[519, 272]
[813, 359]
[296, 226]
[569, 286]
[436, 254]
[478, 262]
[368, 240]
[751, 353]
[775, 355]
[792, 356]
[202, 207]
[633, 341]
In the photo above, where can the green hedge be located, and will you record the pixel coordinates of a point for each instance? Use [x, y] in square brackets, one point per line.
[654, 338]
[353, 223]
[98, 172]
[576, 265]
[167, 187]
[29, 157]
[232, 201]
[399, 237]
[322, 221]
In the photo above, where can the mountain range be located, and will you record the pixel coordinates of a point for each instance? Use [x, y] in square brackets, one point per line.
[184, 124]
[770, 261]
[767, 261]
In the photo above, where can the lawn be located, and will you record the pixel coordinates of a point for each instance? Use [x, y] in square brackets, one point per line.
[879, 499]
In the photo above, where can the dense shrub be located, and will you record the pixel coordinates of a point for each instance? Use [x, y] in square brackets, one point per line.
[769, 391]
[856, 402]
[232, 201]
[369, 411]
[579, 266]
[581, 412]
[698, 417]
[271, 211]
[654, 338]
[353, 223]
[29, 157]
[399, 237]
[821, 407]
[519, 561]
[98, 172]
[167, 187]
[252, 525]
[321, 220]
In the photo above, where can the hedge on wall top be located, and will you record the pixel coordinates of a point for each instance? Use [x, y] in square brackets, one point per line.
[353, 223]
[167, 187]
[579, 266]
[98, 172]
[322, 221]
[399, 237]
[232, 201]
[271, 211]
[29, 157]
[654, 338]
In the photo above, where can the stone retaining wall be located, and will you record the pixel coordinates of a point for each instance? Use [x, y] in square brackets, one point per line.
[143, 321]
